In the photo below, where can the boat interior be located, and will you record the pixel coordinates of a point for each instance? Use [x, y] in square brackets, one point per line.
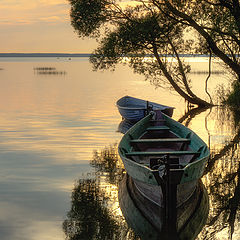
[157, 142]
[152, 149]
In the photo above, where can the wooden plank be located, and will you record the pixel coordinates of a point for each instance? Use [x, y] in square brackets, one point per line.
[157, 128]
[160, 153]
[158, 120]
[160, 140]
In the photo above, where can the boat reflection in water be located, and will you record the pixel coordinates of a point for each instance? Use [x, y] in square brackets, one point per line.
[125, 125]
[146, 218]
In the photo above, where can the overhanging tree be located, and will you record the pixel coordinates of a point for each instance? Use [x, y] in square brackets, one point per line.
[154, 33]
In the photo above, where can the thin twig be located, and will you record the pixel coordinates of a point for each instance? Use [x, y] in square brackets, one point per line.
[209, 74]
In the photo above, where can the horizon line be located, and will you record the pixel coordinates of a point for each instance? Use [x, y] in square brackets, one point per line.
[35, 54]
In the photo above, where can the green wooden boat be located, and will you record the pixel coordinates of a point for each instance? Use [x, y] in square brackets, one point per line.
[145, 148]
[165, 161]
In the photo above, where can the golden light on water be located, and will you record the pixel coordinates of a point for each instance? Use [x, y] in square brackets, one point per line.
[55, 124]
[111, 192]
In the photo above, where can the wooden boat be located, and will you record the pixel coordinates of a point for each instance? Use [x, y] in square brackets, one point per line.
[134, 109]
[191, 216]
[165, 160]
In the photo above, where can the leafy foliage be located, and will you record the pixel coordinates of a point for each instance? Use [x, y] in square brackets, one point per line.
[158, 29]
[87, 16]
[234, 97]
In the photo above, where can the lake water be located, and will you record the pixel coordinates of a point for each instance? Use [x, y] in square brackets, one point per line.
[58, 124]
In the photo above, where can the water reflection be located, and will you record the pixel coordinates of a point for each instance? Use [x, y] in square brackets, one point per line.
[108, 164]
[50, 126]
[95, 212]
[222, 173]
[90, 217]
[236, 116]
[190, 114]
[124, 125]
[222, 178]
[147, 229]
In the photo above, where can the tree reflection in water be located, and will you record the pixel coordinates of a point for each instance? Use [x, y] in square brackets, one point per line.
[222, 178]
[95, 211]
[107, 163]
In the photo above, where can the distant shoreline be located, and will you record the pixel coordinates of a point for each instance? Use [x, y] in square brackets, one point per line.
[69, 55]
[72, 55]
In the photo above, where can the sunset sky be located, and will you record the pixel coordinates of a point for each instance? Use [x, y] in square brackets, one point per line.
[39, 26]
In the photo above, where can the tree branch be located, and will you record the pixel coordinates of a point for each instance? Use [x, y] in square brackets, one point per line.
[190, 99]
[209, 74]
[234, 37]
[181, 69]
[235, 67]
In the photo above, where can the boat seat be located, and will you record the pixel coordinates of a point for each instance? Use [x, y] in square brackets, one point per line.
[161, 140]
[200, 149]
[157, 128]
[163, 153]
[159, 120]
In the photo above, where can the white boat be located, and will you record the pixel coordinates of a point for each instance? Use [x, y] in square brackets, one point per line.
[134, 109]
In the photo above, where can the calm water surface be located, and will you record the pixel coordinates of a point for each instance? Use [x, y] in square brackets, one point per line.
[59, 166]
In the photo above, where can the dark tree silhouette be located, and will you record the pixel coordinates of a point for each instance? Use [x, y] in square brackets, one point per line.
[161, 29]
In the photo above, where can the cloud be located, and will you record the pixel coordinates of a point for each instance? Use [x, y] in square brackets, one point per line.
[26, 4]
[53, 2]
[50, 19]
[26, 12]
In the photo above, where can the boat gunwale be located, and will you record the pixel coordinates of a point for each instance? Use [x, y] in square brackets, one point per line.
[132, 108]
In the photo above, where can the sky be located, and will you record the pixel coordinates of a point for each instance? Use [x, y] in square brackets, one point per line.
[39, 26]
